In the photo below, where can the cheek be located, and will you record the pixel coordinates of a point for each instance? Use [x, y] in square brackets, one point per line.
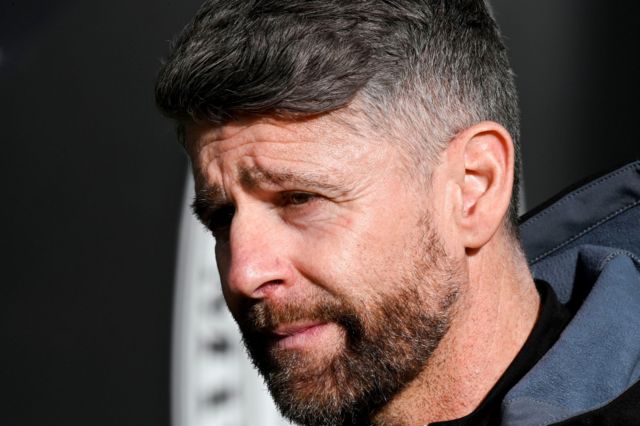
[223, 262]
[223, 258]
[356, 259]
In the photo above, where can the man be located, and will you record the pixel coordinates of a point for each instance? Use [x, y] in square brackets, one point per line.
[357, 164]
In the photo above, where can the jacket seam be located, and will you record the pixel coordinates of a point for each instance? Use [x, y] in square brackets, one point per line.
[576, 193]
[552, 419]
[617, 253]
[585, 231]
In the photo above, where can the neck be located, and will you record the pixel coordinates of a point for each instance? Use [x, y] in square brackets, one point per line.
[491, 322]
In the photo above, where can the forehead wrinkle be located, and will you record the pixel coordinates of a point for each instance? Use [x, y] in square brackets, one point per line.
[252, 176]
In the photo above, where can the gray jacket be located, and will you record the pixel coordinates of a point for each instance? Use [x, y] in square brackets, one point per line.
[586, 244]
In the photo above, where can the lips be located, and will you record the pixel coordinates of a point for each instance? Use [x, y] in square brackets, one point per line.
[291, 329]
[298, 335]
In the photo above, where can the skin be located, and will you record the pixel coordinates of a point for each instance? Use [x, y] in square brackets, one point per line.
[316, 206]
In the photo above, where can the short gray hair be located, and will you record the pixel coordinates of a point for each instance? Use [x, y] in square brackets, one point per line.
[418, 67]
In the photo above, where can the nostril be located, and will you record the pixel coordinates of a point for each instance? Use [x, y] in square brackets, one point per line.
[270, 286]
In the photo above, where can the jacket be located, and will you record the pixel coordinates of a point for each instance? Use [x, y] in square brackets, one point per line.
[586, 244]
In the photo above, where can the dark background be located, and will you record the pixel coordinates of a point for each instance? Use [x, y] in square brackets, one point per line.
[93, 178]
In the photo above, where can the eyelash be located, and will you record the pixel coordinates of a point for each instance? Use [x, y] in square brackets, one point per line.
[219, 221]
[297, 198]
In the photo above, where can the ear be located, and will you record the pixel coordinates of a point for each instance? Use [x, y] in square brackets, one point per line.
[485, 176]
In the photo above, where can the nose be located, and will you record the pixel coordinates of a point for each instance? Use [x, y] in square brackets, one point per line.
[254, 261]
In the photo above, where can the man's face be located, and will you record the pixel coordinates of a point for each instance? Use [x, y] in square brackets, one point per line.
[329, 259]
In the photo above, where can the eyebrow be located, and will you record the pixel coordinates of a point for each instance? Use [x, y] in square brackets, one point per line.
[208, 200]
[212, 198]
[252, 177]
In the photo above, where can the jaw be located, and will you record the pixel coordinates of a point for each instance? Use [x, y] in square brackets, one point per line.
[491, 321]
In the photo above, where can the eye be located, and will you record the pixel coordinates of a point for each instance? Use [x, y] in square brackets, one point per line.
[297, 198]
[219, 221]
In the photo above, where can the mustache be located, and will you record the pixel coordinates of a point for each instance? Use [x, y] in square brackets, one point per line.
[262, 317]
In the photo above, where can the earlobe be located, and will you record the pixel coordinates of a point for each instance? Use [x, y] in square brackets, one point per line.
[487, 156]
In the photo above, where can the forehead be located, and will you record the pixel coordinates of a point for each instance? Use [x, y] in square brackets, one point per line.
[322, 141]
[315, 129]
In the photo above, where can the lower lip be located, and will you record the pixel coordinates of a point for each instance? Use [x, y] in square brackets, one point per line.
[303, 338]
